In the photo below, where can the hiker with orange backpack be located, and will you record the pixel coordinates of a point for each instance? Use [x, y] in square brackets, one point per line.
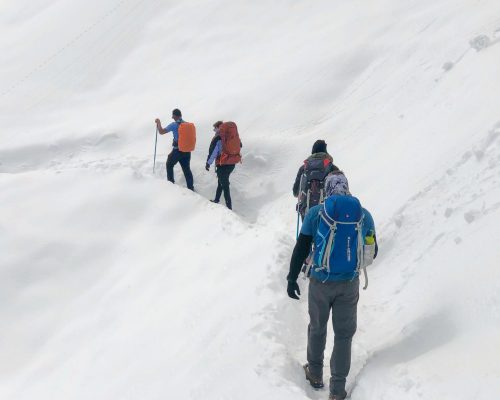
[184, 140]
[226, 154]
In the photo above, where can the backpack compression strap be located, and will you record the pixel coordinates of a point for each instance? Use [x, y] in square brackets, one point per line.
[360, 252]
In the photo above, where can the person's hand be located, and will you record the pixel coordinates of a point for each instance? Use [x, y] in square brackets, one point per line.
[207, 166]
[157, 121]
[293, 290]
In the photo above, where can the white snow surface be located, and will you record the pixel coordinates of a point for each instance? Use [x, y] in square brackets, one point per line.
[115, 284]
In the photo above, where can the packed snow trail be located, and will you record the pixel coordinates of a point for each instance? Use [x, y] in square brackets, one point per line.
[116, 284]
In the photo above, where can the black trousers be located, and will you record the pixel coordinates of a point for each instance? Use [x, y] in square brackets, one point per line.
[184, 159]
[223, 172]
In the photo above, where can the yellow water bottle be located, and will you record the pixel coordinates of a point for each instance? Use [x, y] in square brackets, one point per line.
[370, 237]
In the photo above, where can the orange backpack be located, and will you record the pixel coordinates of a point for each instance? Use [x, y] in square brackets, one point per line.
[187, 137]
[231, 144]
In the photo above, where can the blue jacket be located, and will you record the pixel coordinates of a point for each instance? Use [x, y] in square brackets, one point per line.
[174, 128]
[216, 152]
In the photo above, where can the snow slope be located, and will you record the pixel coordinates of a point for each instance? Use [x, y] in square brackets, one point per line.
[115, 284]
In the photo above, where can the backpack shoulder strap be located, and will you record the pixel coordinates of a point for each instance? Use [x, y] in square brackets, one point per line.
[327, 247]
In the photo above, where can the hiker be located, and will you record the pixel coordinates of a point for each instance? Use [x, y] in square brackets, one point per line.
[179, 154]
[225, 151]
[309, 183]
[215, 139]
[334, 279]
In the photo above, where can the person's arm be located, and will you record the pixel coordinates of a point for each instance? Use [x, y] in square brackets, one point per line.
[161, 131]
[168, 128]
[211, 148]
[296, 185]
[215, 153]
[300, 252]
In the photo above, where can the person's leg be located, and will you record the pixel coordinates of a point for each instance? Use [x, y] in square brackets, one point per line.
[344, 320]
[218, 192]
[319, 313]
[172, 159]
[224, 182]
[185, 161]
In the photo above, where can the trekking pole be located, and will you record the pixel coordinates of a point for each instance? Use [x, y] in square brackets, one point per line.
[156, 141]
[297, 207]
[298, 218]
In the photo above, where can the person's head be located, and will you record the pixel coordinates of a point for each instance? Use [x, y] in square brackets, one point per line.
[217, 126]
[176, 114]
[319, 146]
[336, 184]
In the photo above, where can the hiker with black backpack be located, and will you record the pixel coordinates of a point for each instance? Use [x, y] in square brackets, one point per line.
[226, 154]
[309, 183]
[183, 143]
[343, 235]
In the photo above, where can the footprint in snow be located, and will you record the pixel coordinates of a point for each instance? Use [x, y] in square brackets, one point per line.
[480, 42]
[471, 216]
[447, 66]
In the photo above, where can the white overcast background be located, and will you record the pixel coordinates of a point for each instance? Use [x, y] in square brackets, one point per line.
[115, 284]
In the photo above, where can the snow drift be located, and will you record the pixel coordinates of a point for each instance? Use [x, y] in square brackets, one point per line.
[118, 285]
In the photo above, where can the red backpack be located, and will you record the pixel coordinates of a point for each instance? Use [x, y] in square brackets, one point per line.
[231, 144]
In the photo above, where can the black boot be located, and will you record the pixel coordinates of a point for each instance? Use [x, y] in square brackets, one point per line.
[315, 381]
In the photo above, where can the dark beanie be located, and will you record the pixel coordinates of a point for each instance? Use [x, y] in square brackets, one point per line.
[319, 146]
[176, 112]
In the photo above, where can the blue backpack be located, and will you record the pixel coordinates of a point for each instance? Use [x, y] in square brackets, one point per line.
[338, 242]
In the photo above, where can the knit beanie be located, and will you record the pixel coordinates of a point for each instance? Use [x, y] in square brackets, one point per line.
[319, 146]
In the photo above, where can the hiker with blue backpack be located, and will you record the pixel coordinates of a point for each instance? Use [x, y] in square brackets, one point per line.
[183, 143]
[342, 235]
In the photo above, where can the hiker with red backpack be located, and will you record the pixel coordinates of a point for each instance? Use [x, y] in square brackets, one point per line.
[184, 140]
[215, 139]
[226, 154]
[342, 234]
[309, 183]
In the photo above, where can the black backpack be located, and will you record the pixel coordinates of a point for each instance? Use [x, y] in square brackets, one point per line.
[312, 183]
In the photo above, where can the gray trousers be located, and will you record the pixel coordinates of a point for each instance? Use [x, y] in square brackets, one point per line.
[341, 297]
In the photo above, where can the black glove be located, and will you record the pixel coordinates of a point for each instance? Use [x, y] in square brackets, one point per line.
[293, 290]
[207, 166]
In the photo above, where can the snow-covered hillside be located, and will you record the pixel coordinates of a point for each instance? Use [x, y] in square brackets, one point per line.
[115, 284]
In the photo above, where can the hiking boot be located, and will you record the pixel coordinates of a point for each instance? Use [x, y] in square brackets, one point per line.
[215, 201]
[315, 381]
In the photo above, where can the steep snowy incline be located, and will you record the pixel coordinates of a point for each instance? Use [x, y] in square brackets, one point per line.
[115, 284]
